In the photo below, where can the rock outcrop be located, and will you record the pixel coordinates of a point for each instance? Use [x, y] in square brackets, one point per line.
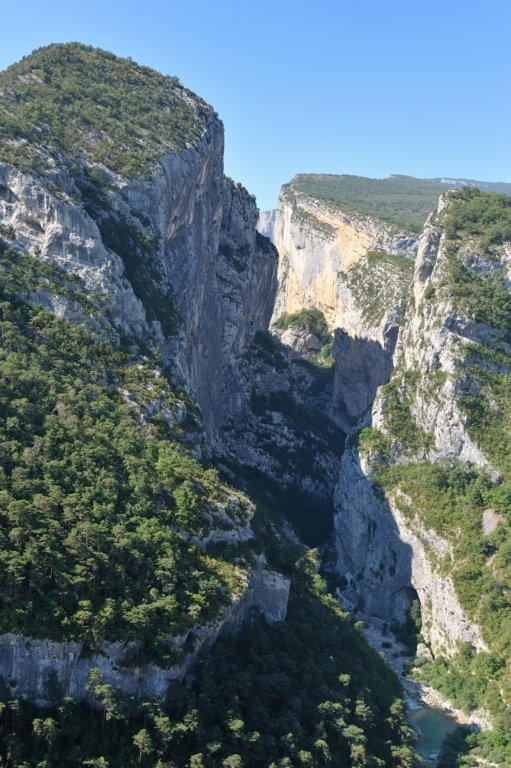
[40, 670]
[356, 270]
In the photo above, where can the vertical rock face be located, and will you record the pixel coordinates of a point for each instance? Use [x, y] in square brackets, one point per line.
[361, 365]
[356, 270]
[392, 541]
[432, 345]
[236, 303]
[222, 273]
[266, 223]
[389, 561]
[207, 255]
[317, 243]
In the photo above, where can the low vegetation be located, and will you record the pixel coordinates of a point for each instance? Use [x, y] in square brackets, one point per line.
[311, 320]
[475, 214]
[89, 104]
[401, 201]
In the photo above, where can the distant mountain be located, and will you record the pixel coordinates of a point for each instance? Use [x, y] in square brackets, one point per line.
[266, 223]
[486, 186]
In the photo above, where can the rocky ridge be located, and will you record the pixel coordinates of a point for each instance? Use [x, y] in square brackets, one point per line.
[384, 541]
[205, 290]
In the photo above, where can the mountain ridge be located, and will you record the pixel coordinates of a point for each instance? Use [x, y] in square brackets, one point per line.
[137, 294]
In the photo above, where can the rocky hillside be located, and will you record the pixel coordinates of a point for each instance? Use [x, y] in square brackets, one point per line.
[129, 193]
[346, 248]
[135, 297]
[422, 500]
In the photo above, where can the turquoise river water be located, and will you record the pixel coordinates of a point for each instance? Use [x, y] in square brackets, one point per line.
[434, 726]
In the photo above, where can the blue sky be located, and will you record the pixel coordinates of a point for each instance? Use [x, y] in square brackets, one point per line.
[368, 87]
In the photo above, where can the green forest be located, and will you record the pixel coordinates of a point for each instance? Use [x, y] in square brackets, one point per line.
[280, 696]
[401, 201]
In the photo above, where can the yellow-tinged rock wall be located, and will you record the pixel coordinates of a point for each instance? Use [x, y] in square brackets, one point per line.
[315, 243]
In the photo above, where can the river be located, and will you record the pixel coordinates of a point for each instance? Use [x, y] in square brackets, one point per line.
[433, 725]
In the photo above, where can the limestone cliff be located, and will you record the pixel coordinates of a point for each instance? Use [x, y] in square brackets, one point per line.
[397, 535]
[266, 223]
[209, 277]
[390, 559]
[356, 270]
[33, 668]
[318, 242]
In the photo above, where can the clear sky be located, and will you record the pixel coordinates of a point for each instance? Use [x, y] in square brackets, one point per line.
[368, 87]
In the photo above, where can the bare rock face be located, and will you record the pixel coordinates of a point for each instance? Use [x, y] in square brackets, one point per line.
[55, 229]
[356, 270]
[317, 243]
[209, 276]
[266, 223]
[361, 365]
[431, 344]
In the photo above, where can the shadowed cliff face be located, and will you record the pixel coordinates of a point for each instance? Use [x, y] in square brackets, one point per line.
[229, 305]
[388, 562]
[361, 366]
